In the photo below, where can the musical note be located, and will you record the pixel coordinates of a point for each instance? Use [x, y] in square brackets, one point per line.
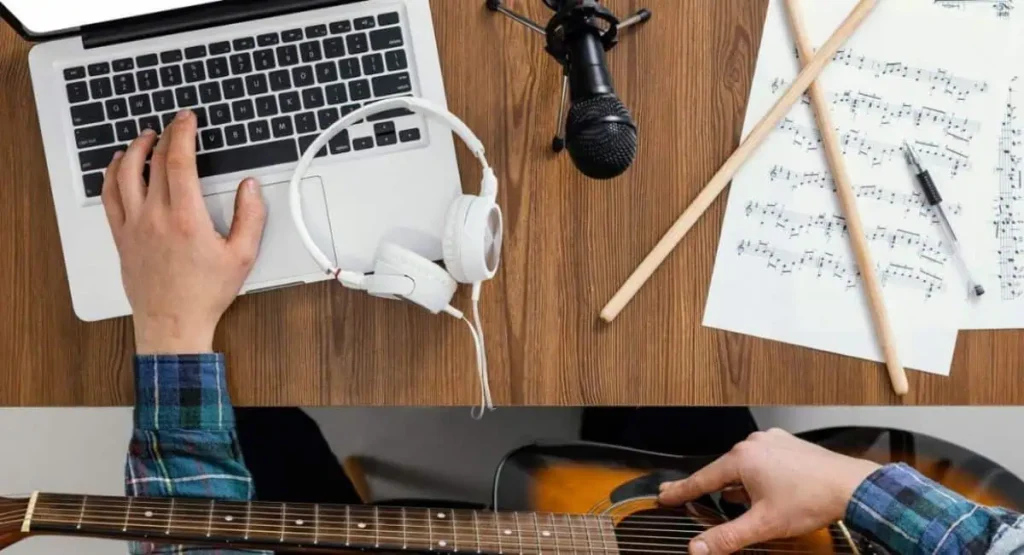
[828, 265]
[1009, 225]
[940, 79]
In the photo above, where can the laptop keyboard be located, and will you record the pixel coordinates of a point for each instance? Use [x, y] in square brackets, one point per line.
[259, 100]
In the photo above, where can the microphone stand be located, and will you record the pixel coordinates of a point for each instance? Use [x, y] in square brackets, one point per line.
[570, 16]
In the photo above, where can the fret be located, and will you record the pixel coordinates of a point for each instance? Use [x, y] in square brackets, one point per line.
[209, 523]
[572, 533]
[405, 531]
[498, 533]
[127, 514]
[376, 527]
[348, 526]
[586, 527]
[316, 524]
[81, 515]
[284, 515]
[537, 533]
[170, 518]
[519, 532]
[430, 528]
[248, 519]
[608, 535]
[554, 533]
[476, 526]
[455, 532]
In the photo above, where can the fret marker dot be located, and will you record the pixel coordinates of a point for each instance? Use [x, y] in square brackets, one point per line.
[508, 532]
[546, 534]
[299, 522]
[361, 525]
[229, 518]
[442, 543]
[440, 515]
[149, 514]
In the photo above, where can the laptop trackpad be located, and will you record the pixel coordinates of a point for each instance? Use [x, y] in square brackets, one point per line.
[282, 255]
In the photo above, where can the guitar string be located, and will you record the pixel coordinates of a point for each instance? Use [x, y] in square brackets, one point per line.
[616, 547]
[275, 518]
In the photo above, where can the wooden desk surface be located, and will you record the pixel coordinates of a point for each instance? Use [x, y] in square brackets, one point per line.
[570, 243]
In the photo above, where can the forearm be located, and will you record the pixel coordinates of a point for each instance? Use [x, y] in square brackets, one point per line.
[907, 513]
[184, 442]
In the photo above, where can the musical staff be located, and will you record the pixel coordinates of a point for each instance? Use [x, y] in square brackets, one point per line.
[1009, 213]
[941, 80]
[913, 202]
[858, 143]
[1003, 9]
[796, 224]
[824, 264]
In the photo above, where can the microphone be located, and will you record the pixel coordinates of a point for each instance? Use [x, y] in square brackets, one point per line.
[600, 133]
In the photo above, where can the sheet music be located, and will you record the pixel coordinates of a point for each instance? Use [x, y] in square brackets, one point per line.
[1001, 249]
[784, 268]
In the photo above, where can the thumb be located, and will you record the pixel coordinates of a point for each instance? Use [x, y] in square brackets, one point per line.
[750, 528]
[249, 220]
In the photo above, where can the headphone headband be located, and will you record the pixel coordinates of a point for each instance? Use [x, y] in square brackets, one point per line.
[489, 186]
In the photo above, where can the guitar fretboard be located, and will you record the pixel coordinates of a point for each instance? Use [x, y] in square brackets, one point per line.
[261, 524]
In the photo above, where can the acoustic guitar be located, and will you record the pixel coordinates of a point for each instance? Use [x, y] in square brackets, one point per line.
[548, 499]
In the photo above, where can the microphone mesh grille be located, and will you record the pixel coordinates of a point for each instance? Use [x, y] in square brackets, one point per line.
[600, 149]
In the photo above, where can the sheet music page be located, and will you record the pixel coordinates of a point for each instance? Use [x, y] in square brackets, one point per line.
[784, 268]
[1000, 255]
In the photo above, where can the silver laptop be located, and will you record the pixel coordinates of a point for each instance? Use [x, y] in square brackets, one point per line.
[264, 77]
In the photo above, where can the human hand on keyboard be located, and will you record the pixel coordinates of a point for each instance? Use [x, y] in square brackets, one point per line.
[180, 275]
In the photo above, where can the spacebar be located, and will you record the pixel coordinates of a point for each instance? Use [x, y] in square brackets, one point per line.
[247, 158]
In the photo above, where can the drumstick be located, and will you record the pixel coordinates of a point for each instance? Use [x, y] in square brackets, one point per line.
[848, 201]
[717, 184]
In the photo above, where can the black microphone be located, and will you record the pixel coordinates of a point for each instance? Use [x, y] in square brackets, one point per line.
[600, 133]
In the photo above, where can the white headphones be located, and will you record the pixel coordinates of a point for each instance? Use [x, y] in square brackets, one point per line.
[471, 242]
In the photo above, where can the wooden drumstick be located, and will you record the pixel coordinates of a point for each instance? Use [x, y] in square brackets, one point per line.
[718, 183]
[848, 201]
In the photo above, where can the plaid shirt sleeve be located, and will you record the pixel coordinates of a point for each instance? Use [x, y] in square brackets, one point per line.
[184, 443]
[908, 513]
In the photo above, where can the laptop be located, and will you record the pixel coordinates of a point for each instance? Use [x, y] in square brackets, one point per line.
[264, 78]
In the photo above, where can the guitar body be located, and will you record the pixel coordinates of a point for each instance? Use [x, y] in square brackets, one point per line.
[623, 485]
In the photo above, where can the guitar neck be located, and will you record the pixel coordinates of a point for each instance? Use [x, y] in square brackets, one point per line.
[327, 527]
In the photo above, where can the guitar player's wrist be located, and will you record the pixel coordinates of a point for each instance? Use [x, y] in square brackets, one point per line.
[162, 336]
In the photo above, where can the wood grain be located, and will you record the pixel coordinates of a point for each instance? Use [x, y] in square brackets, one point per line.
[571, 242]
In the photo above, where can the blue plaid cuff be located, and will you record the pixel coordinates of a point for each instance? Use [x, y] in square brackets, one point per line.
[182, 392]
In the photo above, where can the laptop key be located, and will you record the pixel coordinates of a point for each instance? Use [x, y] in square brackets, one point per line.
[247, 158]
[316, 31]
[326, 72]
[312, 98]
[327, 117]
[409, 135]
[348, 109]
[72, 73]
[123, 64]
[361, 23]
[167, 118]
[259, 131]
[280, 80]
[187, 96]
[97, 135]
[264, 59]
[126, 130]
[395, 60]
[395, 83]
[171, 57]
[101, 88]
[389, 114]
[101, 68]
[233, 88]
[305, 142]
[148, 80]
[221, 47]
[163, 101]
[302, 76]
[359, 89]
[146, 60]
[282, 127]
[256, 84]
[269, 39]
[305, 122]
[382, 39]
[140, 105]
[287, 55]
[291, 35]
[373, 64]
[170, 76]
[194, 72]
[289, 102]
[349, 68]
[266, 106]
[201, 118]
[124, 83]
[387, 139]
[362, 143]
[357, 43]
[98, 159]
[93, 184]
[117, 108]
[217, 67]
[195, 52]
[212, 139]
[209, 93]
[245, 43]
[241, 63]
[235, 135]
[340, 143]
[220, 114]
[337, 94]
[339, 27]
[334, 47]
[243, 110]
[390, 18]
[78, 92]
[151, 122]
[311, 52]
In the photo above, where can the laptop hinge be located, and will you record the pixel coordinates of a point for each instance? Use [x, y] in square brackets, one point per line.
[190, 19]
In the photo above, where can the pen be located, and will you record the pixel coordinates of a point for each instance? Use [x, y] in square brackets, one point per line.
[931, 193]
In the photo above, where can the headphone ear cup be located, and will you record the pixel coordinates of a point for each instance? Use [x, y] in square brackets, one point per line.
[433, 287]
[472, 239]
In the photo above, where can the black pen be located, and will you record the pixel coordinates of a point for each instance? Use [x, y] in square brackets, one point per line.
[931, 193]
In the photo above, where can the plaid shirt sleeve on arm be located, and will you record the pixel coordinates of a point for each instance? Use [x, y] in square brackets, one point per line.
[184, 442]
[908, 513]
